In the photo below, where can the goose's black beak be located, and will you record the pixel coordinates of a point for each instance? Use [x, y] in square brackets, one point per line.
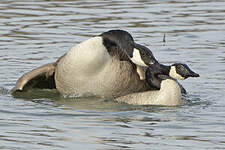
[192, 74]
[189, 73]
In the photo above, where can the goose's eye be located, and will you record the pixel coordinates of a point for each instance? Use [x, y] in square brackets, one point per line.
[180, 68]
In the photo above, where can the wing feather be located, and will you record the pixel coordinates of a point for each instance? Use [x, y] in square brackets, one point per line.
[41, 77]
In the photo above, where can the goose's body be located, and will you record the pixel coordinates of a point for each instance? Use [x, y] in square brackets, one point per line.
[101, 66]
[168, 95]
[167, 90]
[91, 70]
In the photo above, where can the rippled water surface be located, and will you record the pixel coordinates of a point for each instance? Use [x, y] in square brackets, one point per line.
[37, 32]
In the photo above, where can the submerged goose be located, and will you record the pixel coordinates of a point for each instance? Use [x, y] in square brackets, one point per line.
[108, 65]
[166, 89]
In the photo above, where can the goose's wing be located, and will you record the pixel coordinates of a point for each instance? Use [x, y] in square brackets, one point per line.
[41, 77]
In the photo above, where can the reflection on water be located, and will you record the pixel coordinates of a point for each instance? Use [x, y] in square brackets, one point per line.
[35, 33]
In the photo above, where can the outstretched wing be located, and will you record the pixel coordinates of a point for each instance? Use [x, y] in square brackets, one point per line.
[41, 77]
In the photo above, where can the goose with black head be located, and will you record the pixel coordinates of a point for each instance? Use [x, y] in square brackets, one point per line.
[106, 65]
[165, 88]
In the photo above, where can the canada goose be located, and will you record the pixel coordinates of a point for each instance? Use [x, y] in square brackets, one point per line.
[166, 89]
[107, 65]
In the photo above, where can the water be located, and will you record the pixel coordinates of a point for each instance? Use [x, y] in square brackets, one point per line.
[37, 32]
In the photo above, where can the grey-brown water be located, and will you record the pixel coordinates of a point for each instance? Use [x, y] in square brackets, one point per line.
[37, 32]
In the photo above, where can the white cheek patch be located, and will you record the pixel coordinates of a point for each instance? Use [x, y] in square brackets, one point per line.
[174, 74]
[137, 58]
[141, 72]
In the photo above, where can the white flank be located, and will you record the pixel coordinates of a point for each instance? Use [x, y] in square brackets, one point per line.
[137, 58]
[141, 72]
[174, 74]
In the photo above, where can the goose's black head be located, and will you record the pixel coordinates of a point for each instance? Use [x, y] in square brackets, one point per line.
[181, 71]
[121, 43]
[177, 71]
[155, 74]
[146, 55]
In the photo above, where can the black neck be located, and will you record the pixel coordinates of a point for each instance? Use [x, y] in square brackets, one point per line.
[152, 79]
[155, 74]
[163, 69]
